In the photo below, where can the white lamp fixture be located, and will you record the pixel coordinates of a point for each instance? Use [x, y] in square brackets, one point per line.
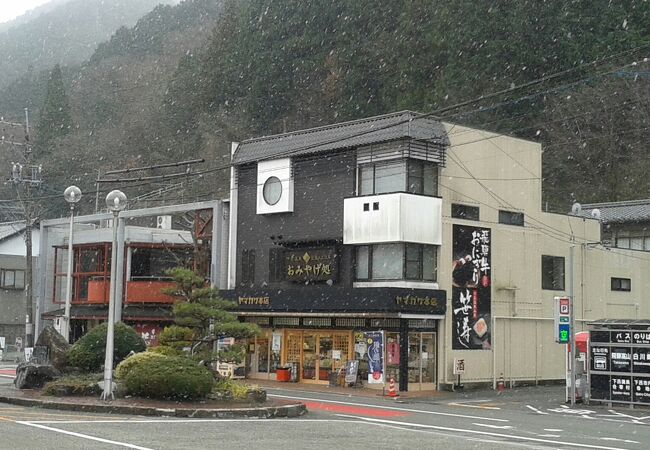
[72, 195]
[116, 202]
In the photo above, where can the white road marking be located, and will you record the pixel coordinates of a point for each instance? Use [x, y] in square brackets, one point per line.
[481, 439]
[487, 433]
[627, 441]
[549, 435]
[536, 410]
[472, 406]
[83, 436]
[488, 425]
[7, 376]
[553, 429]
[391, 408]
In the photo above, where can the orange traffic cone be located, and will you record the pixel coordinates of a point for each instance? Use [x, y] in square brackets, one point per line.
[392, 392]
[501, 385]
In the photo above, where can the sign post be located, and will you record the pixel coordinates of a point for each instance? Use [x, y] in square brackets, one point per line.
[564, 334]
[459, 369]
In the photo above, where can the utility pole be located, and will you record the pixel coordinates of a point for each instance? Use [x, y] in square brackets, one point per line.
[572, 326]
[24, 177]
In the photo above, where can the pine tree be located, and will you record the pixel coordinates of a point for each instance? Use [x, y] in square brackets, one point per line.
[56, 118]
[202, 316]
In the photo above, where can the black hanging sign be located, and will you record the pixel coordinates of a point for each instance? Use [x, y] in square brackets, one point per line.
[471, 291]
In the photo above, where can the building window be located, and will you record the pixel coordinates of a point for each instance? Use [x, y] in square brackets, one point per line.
[410, 175]
[397, 261]
[152, 263]
[466, 212]
[633, 243]
[276, 264]
[511, 218]
[621, 284]
[553, 273]
[248, 266]
[12, 279]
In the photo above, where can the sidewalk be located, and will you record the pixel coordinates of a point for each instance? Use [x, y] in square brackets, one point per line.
[542, 394]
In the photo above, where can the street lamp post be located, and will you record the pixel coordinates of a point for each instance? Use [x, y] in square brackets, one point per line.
[116, 202]
[72, 195]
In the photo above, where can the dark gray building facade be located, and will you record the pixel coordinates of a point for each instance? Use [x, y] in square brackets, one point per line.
[334, 239]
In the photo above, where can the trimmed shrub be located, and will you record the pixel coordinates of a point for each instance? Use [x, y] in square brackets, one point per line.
[74, 385]
[176, 337]
[89, 352]
[168, 377]
[235, 390]
[165, 350]
[125, 366]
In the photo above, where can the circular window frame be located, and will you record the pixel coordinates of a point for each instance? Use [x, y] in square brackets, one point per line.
[271, 181]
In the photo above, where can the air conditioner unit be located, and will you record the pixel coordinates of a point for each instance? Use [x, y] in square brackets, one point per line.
[164, 222]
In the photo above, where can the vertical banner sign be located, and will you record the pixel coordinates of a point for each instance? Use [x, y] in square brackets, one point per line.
[375, 356]
[471, 298]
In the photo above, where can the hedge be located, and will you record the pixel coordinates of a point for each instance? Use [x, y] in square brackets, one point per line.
[89, 352]
[168, 377]
[125, 366]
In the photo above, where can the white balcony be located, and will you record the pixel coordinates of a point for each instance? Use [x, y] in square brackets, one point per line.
[397, 217]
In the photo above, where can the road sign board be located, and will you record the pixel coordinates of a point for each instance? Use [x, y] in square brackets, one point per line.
[562, 320]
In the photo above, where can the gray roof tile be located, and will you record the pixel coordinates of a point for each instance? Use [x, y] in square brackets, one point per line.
[372, 130]
[620, 212]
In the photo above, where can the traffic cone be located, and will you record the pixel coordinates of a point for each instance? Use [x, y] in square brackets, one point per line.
[392, 392]
[501, 385]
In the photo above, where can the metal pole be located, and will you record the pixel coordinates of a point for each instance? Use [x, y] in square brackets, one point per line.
[65, 328]
[110, 333]
[572, 326]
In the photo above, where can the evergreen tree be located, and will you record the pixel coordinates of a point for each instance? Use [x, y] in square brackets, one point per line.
[203, 316]
[56, 119]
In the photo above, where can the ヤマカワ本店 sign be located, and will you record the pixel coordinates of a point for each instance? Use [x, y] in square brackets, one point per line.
[471, 299]
[302, 265]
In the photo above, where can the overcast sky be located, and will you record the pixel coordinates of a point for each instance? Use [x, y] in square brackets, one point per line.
[10, 9]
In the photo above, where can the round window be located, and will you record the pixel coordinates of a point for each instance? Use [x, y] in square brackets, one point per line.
[272, 190]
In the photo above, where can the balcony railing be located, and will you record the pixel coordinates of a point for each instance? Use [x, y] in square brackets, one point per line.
[149, 290]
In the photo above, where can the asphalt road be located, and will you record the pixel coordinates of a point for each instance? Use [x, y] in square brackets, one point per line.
[481, 421]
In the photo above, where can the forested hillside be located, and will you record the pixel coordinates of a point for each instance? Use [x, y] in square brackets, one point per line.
[67, 32]
[185, 80]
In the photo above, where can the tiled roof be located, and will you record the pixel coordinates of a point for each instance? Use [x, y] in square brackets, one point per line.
[620, 212]
[372, 130]
[9, 229]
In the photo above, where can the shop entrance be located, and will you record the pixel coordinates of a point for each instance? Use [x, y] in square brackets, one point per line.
[422, 361]
[318, 353]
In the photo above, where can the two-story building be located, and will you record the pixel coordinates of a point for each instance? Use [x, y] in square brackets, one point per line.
[426, 233]
[144, 254]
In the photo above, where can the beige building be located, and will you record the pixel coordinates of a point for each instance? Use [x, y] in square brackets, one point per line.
[501, 176]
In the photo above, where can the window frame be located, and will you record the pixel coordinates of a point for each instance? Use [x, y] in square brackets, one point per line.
[247, 266]
[419, 249]
[514, 218]
[408, 173]
[553, 260]
[616, 284]
[456, 214]
[13, 286]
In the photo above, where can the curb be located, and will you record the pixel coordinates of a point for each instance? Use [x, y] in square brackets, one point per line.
[292, 410]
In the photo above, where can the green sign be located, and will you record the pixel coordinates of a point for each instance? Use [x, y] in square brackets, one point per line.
[563, 333]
